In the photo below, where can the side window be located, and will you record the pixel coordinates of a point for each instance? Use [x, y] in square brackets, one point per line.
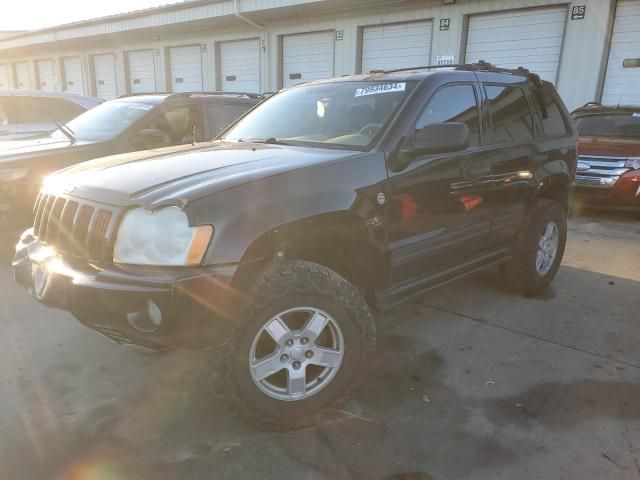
[219, 115]
[553, 123]
[61, 110]
[512, 121]
[28, 110]
[455, 103]
[177, 123]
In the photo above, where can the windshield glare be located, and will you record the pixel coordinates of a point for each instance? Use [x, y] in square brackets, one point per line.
[105, 121]
[625, 125]
[335, 114]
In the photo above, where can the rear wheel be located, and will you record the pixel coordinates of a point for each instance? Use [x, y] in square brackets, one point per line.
[537, 256]
[299, 350]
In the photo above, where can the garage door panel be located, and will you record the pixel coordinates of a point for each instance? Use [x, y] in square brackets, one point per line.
[142, 71]
[396, 45]
[186, 68]
[528, 38]
[622, 84]
[240, 66]
[46, 75]
[73, 81]
[104, 68]
[4, 76]
[309, 56]
[22, 75]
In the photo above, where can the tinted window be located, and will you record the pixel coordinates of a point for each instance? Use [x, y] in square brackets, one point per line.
[626, 125]
[38, 110]
[456, 103]
[510, 113]
[218, 116]
[553, 122]
[177, 123]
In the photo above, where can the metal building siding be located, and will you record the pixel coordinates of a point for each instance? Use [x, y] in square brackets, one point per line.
[72, 70]
[46, 75]
[240, 66]
[307, 57]
[141, 71]
[5, 77]
[104, 69]
[185, 64]
[23, 78]
[397, 45]
[531, 38]
[622, 85]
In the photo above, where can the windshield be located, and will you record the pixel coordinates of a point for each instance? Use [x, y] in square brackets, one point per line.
[105, 121]
[624, 125]
[334, 114]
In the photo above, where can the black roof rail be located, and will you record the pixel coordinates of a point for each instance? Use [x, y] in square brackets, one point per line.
[408, 69]
[255, 96]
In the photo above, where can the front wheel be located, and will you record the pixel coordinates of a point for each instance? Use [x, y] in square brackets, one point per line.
[300, 349]
[537, 256]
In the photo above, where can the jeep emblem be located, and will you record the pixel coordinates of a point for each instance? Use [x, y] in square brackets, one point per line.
[381, 198]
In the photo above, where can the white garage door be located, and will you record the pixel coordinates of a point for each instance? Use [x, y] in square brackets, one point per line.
[142, 71]
[73, 81]
[622, 84]
[186, 69]
[46, 75]
[22, 75]
[4, 77]
[396, 46]
[529, 38]
[307, 57]
[104, 67]
[240, 66]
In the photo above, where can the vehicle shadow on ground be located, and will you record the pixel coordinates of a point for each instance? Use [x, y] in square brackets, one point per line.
[407, 417]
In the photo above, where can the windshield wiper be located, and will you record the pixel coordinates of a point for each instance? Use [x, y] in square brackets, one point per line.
[271, 141]
[66, 130]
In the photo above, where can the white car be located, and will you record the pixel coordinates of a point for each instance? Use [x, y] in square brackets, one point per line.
[32, 113]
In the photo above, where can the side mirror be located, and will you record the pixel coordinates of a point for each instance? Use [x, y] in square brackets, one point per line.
[440, 138]
[150, 138]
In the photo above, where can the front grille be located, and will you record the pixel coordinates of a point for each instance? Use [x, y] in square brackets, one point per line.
[601, 172]
[77, 228]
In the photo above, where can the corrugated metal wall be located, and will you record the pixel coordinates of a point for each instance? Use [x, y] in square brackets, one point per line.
[580, 73]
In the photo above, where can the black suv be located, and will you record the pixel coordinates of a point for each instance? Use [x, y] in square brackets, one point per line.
[136, 122]
[273, 245]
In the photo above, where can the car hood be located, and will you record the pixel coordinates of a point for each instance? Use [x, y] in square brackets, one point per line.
[178, 175]
[609, 147]
[16, 150]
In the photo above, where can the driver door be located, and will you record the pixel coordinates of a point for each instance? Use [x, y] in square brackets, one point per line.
[173, 126]
[440, 204]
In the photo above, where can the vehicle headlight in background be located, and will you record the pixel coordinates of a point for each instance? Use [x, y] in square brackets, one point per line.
[163, 237]
[633, 162]
[13, 174]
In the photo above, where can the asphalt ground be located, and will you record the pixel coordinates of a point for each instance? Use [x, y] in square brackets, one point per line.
[468, 382]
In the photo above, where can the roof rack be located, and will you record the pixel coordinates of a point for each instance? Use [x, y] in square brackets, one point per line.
[408, 69]
[221, 94]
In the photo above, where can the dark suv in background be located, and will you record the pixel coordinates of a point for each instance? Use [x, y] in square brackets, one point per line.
[274, 245]
[131, 123]
[608, 172]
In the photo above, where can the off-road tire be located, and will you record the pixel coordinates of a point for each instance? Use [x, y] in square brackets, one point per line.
[519, 274]
[281, 286]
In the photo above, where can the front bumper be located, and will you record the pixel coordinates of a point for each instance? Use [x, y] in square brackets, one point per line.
[585, 197]
[151, 307]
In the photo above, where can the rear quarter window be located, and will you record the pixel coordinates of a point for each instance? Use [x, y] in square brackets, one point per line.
[554, 123]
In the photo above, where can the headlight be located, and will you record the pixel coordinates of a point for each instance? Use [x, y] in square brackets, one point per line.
[13, 174]
[163, 237]
[633, 162]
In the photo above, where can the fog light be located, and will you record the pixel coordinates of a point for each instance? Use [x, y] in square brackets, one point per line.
[148, 320]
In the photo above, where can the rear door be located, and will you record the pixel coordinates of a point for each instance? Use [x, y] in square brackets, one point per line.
[440, 205]
[514, 158]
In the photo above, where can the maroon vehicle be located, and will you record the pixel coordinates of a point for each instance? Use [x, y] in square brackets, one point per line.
[608, 170]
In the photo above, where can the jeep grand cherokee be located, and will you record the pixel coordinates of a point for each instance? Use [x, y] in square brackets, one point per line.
[273, 245]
